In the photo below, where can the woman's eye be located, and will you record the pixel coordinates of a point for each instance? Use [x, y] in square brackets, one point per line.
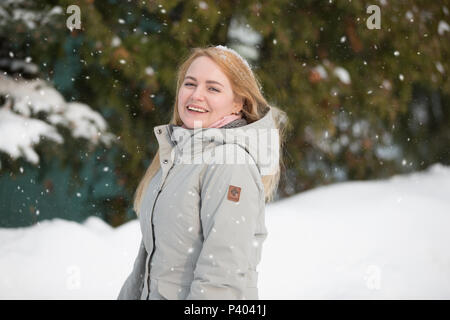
[189, 83]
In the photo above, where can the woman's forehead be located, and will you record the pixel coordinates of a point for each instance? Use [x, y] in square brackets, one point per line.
[205, 69]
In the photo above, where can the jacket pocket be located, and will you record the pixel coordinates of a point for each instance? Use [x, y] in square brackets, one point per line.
[172, 291]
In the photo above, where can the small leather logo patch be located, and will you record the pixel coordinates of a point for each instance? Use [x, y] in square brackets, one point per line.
[234, 193]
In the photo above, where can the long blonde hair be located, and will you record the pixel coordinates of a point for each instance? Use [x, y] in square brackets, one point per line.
[244, 84]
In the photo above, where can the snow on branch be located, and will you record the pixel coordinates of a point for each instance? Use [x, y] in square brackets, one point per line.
[20, 133]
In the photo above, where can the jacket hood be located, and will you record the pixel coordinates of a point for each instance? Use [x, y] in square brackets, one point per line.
[260, 139]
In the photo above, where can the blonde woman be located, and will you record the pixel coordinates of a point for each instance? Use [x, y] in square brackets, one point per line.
[201, 202]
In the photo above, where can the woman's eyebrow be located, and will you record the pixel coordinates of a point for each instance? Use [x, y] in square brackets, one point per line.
[207, 81]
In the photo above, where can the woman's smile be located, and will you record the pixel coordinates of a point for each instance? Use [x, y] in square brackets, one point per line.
[194, 109]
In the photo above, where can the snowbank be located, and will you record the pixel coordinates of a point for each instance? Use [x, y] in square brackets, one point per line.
[386, 239]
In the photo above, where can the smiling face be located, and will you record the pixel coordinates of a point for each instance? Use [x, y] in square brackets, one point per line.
[205, 86]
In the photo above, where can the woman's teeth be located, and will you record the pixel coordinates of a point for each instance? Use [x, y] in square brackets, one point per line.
[196, 109]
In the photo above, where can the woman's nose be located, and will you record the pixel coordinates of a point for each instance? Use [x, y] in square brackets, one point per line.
[198, 93]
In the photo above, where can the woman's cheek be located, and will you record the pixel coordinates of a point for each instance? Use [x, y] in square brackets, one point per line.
[181, 96]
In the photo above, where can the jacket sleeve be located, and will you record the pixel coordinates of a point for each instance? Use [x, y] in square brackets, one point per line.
[132, 287]
[222, 268]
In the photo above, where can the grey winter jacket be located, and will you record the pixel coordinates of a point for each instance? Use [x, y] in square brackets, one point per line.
[202, 215]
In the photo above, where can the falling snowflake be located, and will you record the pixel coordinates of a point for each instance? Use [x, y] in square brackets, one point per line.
[443, 27]
[149, 71]
[115, 41]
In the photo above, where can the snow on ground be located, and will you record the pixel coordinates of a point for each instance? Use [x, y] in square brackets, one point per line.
[384, 239]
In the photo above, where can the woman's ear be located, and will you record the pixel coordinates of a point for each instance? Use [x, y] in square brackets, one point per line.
[238, 103]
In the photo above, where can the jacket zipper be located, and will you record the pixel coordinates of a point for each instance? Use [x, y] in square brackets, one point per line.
[154, 244]
[153, 234]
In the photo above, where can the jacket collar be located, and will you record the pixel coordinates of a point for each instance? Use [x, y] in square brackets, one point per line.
[259, 138]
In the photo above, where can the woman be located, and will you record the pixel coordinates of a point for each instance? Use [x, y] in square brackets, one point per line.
[202, 214]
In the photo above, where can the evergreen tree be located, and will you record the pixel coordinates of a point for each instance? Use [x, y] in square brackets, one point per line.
[362, 103]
